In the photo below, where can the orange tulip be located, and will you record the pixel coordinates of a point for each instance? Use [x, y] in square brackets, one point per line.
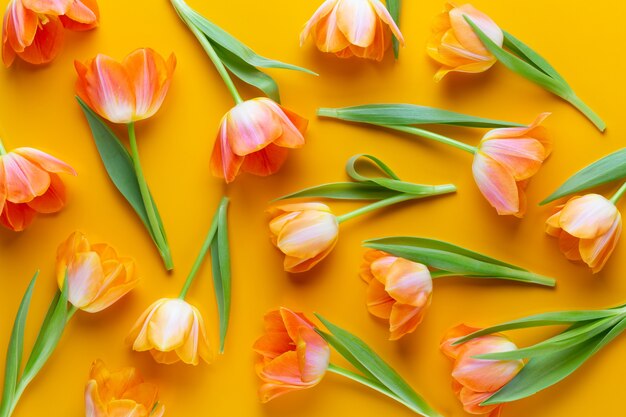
[125, 92]
[454, 44]
[349, 28]
[29, 184]
[97, 276]
[588, 229]
[33, 29]
[399, 291]
[171, 330]
[254, 137]
[305, 233]
[292, 355]
[506, 159]
[121, 393]
[475, 380]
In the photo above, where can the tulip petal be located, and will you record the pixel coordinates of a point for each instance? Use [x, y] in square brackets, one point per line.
[408, 282]
[23, 180]
[188, 352]
[596, 252]
[284, 369]
[588, 217]
[53, 200]
[150, 77]
[93, 405]
[138, 336]
[451, 336]
[569, 246]
[313, 354]
[272, 345]
[81, 16]
[44, 161]
[328, 37]
[166, 358]
[3, 187]
[466, 35]
[85, 278]
[251, 126]
[309, 234]
[297, 207]
[471, 401]
[497, 184]
[292, 136]
[379, 303]
[46, 44]
[17, 217]
[385, 17]
[19, 27]
[53, 7]
[170, 325]
[523, 156]
[322, 11]
[376, 50]
[297, 265]
[266, 161]
[357, 21]
[404, 319]
[224, 163]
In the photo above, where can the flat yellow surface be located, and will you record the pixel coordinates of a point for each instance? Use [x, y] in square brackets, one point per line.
[583, 40]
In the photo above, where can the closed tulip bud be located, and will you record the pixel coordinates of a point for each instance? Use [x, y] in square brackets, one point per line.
[505, 161]
[475, 380]
[254, 137]
[29, 184]
[399, 291]
[292, 355]
[128, 91]
[306, 233]
[588, 229]
[347, 28]
[172, 330]
[454, 44]
[97, 276]
[120, 393]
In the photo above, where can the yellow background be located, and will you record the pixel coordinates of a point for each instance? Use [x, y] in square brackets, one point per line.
[37, 108]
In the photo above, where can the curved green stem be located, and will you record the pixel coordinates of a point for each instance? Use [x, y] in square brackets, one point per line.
[2, 150]
[183, 9]
[575, 101]
[375, 385]
[433, 136]
[158, 234]
[203, 251]
[619, 194]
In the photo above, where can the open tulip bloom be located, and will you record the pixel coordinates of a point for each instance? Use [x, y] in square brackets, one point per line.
[491, 366]
[33, 29]
[307, 232]
[588, 227]
[361, 28]
[295, 355]
[400, 271]
[466, 40]
[505, 160]
[255, 135]
[172, 329]
[29, 185]
[125, 93]
[91, 278]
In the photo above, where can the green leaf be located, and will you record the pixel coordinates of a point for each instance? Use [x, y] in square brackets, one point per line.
[520, 66]
[408, 114]
[574, 335]
[394, 10]
[610, 168]
[461, 263]
[544, 371]
[15, 350]
[543, 319]
[220, 255]
[530, 56]
[344, 191]
[379, 369]
[336, 344]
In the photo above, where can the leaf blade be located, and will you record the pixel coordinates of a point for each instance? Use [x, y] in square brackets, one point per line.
[221, 244]
[394, 10]
[532, 57]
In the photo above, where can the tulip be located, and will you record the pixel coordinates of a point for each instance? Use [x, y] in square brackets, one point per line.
[454, 44]
[292, 355]
[504, 162]
[29, 184]
[171, 330]
[399, 291]
[305, 233]
[588, 229]
[78, 15]
[121, 393]
[254, 137]
[347, 28]
[125, 92]
[97, 276]
[475, 380]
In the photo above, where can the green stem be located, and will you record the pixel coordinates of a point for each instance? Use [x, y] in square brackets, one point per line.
[618, 195]
[575, 101]
[203, 251]
[369, 383]
[433, 136]
[440, 189]
[147, 201]
[183, 10]
[2, 150]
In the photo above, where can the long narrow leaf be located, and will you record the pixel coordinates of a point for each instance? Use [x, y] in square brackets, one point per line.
[338, 345]
[543, 319]
[462, 265]
[381, 370]
[344, 191]
[409, 114]
[394, 10]
[16, 349]
[532, 57]
[220, 255]
[610, 168]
